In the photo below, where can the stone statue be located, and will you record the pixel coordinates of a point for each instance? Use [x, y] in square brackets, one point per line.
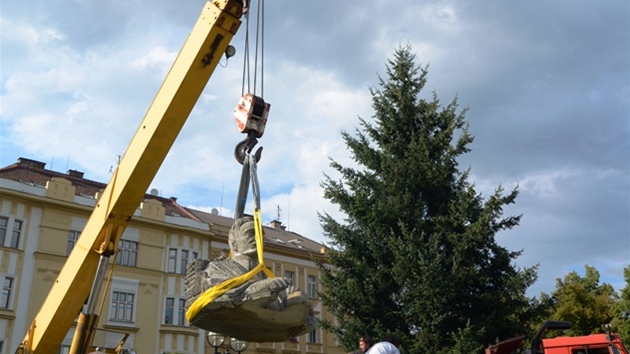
[260, 310]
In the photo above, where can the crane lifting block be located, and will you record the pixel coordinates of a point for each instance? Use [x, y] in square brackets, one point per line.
[251, 114]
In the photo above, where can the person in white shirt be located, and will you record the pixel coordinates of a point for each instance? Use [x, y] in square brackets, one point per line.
[387, 346]
[383, 348]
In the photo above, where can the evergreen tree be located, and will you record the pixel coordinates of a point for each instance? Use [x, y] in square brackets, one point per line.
[416, 254]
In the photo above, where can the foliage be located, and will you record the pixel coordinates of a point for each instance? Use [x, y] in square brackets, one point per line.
[582, 301]
[416, 254]
[464, 342]
[621, 310]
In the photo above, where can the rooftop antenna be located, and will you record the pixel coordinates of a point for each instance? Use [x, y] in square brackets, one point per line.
[278, 211]
[221, 204]
[289, 215]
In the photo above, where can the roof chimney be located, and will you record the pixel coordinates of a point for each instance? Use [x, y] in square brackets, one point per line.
[75, 173]
[277, 225]
[31, 163]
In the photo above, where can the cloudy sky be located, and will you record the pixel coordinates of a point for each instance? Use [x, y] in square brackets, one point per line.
[546, 82]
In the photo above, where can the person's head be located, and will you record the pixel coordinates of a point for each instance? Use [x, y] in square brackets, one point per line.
[365, 343]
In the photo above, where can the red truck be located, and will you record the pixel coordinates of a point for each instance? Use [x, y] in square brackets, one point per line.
[608, 343]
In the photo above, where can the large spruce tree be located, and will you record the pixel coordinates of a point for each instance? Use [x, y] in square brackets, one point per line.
[416, 254]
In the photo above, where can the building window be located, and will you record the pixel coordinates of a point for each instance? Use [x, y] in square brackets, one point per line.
[15, 234]
[178, 260]
[4, 222]
[7, 289]
[73, 237]
[290, 276]
[312, 337]
[312, 286]
[168, 311]
[172, 260]
[127, 253]
[181, 310]
[183, 262]
[64, 349]
[122, 306]
[17, 230]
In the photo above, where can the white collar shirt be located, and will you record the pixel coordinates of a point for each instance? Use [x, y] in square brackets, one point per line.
[383, 348]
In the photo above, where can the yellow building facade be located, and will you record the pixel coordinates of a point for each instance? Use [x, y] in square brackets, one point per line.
[42, 213]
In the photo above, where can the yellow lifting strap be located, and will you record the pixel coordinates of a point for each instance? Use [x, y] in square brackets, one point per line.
[214, 292]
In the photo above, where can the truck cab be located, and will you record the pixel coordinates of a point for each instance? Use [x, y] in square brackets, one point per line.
[591, 344]
[605, 343]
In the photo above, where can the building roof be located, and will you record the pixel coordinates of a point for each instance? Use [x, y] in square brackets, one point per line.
[276, 236]
[34, 172]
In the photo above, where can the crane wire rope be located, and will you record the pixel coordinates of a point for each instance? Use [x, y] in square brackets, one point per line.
[259, 48]
[250, 161]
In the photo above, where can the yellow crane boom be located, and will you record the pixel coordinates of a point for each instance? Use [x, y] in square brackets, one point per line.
[204, 47]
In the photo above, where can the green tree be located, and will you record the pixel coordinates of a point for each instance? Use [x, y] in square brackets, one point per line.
[416, 254]
[582, 301]
[621, 321]
[464, 342]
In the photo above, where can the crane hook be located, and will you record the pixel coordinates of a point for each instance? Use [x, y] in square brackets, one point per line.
[245, 147]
